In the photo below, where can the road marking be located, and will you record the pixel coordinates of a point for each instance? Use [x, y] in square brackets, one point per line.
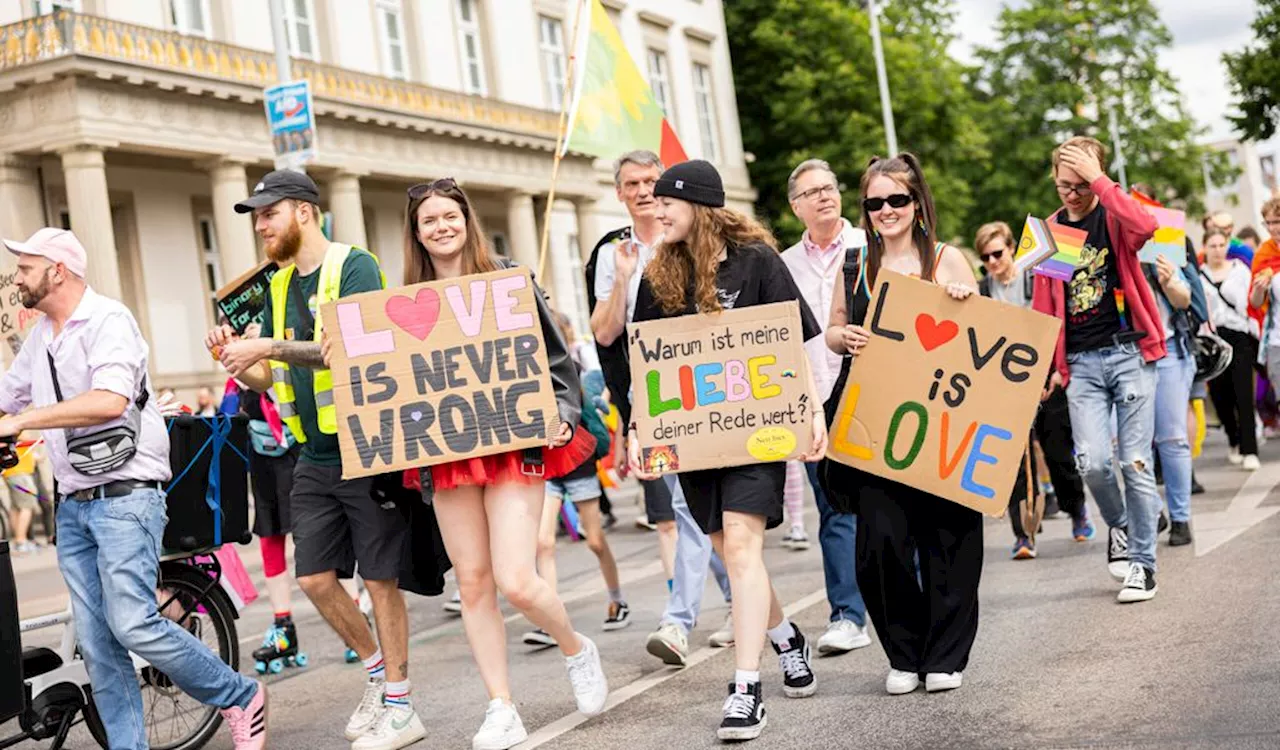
[627, 692]
[1216, 529]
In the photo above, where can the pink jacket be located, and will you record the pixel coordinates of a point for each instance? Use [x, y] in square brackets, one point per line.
[1130, 226]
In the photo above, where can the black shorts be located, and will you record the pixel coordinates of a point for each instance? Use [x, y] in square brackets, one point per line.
[657, 500]
[272, 478]
[755, 489]
[337, 524]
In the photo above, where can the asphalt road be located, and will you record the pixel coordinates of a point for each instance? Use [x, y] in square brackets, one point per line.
[1057, 664]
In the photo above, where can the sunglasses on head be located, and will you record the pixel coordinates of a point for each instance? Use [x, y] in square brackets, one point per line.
[897, 200]
[422, 188]
[995, 255]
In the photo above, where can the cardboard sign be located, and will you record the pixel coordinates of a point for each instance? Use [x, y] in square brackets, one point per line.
[1053, 250]
[439, 372]
[721, 390]
[943, 396]
[16, 320]
[1170, 239]
[244, 300]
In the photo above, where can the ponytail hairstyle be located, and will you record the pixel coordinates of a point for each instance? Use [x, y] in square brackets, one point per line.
[905, 170]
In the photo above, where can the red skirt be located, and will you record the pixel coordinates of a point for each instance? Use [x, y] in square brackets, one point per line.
[502, 468]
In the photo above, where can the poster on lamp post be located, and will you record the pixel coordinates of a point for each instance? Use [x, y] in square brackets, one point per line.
[291, 118]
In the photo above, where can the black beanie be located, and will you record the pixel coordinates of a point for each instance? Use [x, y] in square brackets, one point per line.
[694, 181]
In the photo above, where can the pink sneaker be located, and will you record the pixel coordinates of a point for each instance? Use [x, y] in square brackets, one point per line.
[249, 725]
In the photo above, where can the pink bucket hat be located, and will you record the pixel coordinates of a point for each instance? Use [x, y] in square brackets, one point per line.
[58, 245]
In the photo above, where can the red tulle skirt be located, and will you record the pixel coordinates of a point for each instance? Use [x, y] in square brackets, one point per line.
[503, 468]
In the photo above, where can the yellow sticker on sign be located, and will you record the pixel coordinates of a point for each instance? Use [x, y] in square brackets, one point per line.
[771, 443]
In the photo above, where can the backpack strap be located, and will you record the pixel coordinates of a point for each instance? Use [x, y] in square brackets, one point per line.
[853, 267]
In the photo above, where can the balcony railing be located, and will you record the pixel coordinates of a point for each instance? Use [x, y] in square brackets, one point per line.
[64, 34]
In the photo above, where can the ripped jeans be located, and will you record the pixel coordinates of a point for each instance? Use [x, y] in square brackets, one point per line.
[1116, 376]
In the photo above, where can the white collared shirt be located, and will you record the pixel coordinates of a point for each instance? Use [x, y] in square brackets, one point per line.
[100, 349]
[607, 271]
[815, 275]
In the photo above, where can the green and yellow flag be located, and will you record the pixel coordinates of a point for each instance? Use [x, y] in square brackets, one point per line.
[613, 110]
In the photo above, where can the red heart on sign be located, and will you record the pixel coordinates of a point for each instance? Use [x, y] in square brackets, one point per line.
[416, 316]
[934, 334]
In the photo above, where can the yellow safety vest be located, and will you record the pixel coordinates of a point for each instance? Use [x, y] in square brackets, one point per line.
[322, 382]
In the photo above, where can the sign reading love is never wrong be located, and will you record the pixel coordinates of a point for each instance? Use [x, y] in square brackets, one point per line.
[439, 372]
[943, 396]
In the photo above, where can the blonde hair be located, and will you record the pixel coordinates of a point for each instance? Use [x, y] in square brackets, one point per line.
[697, 258]
[1092, 145]
[1271, 207]
[990, 231]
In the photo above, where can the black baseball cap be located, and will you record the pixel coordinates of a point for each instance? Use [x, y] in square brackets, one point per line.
[278, 185]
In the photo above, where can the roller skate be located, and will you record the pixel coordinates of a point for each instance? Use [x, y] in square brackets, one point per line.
[279, 649]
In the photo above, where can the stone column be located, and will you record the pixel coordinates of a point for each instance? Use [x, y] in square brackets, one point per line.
[21, 212]
[348, 210]
[236, 245]
[588, 234]
[522, 230]
[90, 208]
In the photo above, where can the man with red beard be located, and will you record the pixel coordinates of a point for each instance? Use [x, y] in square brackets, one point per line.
[336, 523]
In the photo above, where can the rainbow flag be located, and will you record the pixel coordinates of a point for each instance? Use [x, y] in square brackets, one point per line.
[1035, 246]
[613, 110]
[1170, 239]
[1051, 249]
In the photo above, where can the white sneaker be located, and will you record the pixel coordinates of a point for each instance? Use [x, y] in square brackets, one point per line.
[936, 682]
[843, 636]
[502, 728]
[669, 643]
[396, 727]
[367, 712]
[723, 638]
[796, 539]
[1234, 457]
[590, 687]
[901, 683]
[454, 604]
[1250, 463]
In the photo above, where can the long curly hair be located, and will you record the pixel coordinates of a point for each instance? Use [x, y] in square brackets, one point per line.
[697, 257]
[477, 257]
[905, 170]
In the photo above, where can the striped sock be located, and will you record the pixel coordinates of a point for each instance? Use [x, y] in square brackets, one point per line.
[375, 666]
[397, 694]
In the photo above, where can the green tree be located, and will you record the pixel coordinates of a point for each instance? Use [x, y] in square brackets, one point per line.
[1255, 76]
[1059, 68]
[806, 85]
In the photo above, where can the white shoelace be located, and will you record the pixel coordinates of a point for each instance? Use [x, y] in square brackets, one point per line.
[382, 725]
[793, 663]
[739, 705]
[1119, 543]
[372, 699]
[1137, 578]
[580, 672]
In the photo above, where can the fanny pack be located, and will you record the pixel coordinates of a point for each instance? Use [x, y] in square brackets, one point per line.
[264, 440]
[104, 450]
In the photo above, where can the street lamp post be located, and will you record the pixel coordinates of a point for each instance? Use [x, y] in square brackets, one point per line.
[886, 106]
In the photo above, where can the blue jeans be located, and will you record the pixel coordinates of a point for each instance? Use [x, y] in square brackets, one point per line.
[837, 536]
[693, 555]
[108, 551]
[1174, 375]
[1116, 376]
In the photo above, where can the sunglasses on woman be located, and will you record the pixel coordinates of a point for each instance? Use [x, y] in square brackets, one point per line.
[422, 188]
[897, 200]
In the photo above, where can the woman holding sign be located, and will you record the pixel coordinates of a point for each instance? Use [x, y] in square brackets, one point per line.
[712, 259]
[927, 624]
[489, 508]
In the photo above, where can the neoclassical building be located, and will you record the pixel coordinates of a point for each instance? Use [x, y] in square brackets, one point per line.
[140, 123]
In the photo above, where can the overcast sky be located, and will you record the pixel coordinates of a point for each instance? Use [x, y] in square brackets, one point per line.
[1202, 30]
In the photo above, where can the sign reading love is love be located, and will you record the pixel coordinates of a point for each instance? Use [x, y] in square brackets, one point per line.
[943, 396]
[439, 372]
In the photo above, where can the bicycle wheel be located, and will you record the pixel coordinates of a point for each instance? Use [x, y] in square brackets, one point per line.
[192, 598]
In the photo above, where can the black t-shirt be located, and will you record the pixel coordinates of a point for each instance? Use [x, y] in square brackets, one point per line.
[1093, 318]
[750, 275]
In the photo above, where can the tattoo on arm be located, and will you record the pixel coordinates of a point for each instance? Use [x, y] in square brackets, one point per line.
[302, 353]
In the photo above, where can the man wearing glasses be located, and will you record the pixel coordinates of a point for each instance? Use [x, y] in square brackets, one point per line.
[1106, 356]
[814, 263]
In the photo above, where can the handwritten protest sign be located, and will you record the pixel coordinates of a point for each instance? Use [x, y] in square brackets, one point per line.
[439, 372]
[943, 396]
[16, 320]
[1170, 239]
[721, 390]
[244, 300]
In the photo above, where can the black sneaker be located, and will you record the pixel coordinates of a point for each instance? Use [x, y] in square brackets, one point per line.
[1180, 534]
[539, 637]
[797, 671]
[1196, 487]
[1162, 523]
[744, 717]
[1139, 585]
[1118, 552]
[619, 616]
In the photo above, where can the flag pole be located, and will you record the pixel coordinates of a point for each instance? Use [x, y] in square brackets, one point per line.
[569, 86]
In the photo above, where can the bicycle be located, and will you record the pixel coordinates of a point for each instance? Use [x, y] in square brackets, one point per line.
[56, 684]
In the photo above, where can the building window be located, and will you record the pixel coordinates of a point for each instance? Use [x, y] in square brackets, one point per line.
[191, 17]
[500, 245]
[300, 27]
[44, 7]
[212, 261]
[659, 81]
[551, 43]
[473, 80]
[391, 29]
[704, 96]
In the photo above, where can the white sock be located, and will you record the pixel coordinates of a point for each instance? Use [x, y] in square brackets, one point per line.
[782, 634]
[398, 693]
[743, 677]
[375, 666]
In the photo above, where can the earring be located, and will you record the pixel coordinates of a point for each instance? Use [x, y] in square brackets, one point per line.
[920, 223]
